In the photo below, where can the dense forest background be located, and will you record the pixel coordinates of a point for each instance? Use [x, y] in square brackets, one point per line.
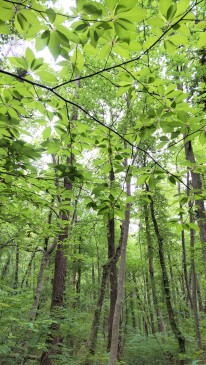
[102, 182]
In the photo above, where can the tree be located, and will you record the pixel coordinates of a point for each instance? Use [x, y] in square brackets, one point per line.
[122, 84]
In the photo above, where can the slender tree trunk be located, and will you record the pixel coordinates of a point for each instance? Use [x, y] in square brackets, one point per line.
[161, 325]
[93, 282]
[199, 295]
[113, 279]
[5, 268]
[132, 311]
[16, 276]
[149, 305]
[39, 286]
[193, 277]
[180, 338]
[29, 267]
[96, 319]
[111, 252]
[139, 302]
[184, 256]
[120, 290]
[194, 292]
[197, 186]
[79, 274]
[54, 339]
[113, 268]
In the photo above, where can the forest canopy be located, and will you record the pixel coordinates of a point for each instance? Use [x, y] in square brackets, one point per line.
[102, 182]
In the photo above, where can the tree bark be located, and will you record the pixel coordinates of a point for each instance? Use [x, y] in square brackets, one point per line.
[28, 267]
[16, 276]
[39, 286]
[161, 325]
[197, 186]
[113, 268]
[194, 278]
[96, 319]
[54, 339]
[180, 338]
[120, 290]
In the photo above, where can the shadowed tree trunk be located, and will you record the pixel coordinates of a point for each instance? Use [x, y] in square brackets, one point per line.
[96, 319]
[197, 186]
[16, 276]
[184, 256]
[161, 325]
[120, 290]
[39, 287]
[193, 275]
[57, 302]
[180, 338]
[111, 252]
[28, 270]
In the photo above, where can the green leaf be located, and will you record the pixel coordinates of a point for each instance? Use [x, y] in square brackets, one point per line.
[156, 21]
[77, 60]
[171, 12]
[193, 226]
[110, 4]
[202, 40]
[43, 40]
[54, 45]
[134, 15]
[120, 213]
[7, 11]
[36, 63]
[172, 180]
[62, 38]
[20, 21]
[51, 15]
[182, 6]
[29, 56]
[30, 16]
[202, 137]
[169, 47]
[92, 8]
[52, 147]
[164, 6]
[46, 76]
[4, 29]
[123, 5]
[81, 26]
[182, 115]
[46, 132]
[178, 39]
[19, 62]
[142, 179]
[91, 205]
[123, 28]
[71, 36]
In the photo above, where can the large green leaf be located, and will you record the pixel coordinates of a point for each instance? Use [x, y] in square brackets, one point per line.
[164, 5]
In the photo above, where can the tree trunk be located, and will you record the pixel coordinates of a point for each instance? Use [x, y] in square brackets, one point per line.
[180, 338]
[149, 305]
[193, 278]
[54, 339]
[184, 256]
[120, 290]
[161, 325]
[197, 186]
[39, 286]
[113, 268]
[96, 319]
[16, 276]
[28, 267]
